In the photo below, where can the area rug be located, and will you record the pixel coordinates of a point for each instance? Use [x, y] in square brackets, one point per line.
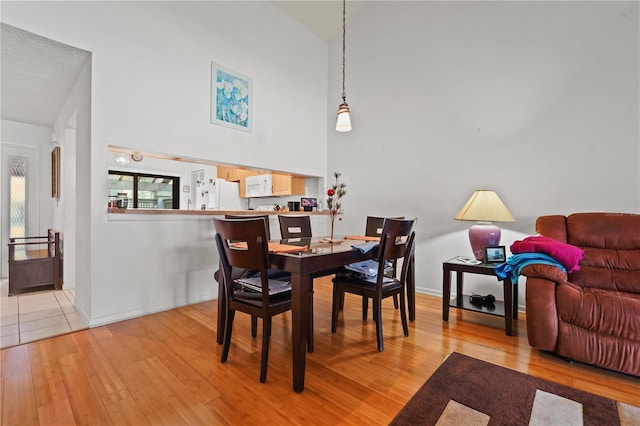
[468, 391]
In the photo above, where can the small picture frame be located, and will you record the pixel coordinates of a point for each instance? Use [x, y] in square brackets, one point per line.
[55, 172]
[494, 254]
[308, 204]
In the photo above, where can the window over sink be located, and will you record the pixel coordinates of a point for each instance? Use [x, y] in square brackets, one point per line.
[146, 191]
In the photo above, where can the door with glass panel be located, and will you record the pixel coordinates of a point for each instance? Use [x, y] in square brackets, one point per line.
[20, 195]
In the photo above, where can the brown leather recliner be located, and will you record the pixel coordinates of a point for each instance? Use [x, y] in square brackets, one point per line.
[591, 315]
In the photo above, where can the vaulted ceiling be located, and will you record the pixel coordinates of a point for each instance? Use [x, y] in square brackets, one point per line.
[37, 73]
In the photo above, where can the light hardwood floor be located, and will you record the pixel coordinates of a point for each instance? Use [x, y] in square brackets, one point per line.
[165, 368]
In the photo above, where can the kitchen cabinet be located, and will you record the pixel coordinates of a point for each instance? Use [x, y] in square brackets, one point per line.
[243, 187]
[287, 185]
[232, 174]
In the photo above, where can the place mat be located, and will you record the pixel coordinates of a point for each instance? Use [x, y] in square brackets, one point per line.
[465, 390]
[275, 247]
[285, 248]
[362, 237]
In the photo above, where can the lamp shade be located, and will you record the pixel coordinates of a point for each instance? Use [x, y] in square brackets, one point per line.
[343, 122]
[485, 206]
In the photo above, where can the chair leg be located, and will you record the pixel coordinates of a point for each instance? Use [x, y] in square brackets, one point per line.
[266, 333]
[254, 326]
[395, 301]
[335, 307]
[310, 325]
[365, 308]
[377, 309]
[222, 304]
[403, 315]
[226, 342]
[342, 301]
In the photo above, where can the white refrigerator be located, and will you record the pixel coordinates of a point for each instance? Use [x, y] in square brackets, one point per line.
[218, 194]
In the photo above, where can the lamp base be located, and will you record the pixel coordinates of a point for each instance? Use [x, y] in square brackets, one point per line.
[481, 235]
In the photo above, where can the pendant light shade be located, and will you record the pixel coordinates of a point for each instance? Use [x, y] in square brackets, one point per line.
[343, 122]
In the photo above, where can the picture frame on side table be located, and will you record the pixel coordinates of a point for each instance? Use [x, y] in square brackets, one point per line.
[231, 98]
[494, 254]
[55, 172]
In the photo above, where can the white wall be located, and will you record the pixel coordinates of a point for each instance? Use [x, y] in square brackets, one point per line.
[150, 91]
[72, 130]
[536, 100]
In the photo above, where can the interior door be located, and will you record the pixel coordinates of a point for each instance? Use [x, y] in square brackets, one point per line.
[20, 195]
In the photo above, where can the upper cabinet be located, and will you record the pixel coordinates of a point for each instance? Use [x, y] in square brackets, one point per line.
[284, 184]
[232, 174]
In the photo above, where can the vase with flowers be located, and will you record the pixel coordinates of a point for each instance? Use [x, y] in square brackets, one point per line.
[334, 195]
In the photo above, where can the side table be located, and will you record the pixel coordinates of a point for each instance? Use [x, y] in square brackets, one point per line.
[507, 308]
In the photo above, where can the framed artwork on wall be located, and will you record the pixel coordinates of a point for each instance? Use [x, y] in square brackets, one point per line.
[231, 98]
[55, 172]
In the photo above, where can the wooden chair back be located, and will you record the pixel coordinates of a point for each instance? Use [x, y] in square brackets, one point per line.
[298, 226]
[374, 225]
[252, 216]
[396, 242]
[242, 243]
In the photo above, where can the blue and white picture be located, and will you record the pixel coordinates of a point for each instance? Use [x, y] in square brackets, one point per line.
[230, 98]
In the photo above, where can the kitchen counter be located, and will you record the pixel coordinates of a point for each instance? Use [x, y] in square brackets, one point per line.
[209, 212]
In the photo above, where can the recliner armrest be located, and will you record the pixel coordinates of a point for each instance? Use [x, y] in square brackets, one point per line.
[548, 272]
[542, 312]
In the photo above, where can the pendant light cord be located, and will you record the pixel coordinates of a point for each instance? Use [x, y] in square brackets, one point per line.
[344, 25]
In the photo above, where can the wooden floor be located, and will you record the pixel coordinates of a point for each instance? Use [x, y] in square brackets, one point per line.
[165, 369]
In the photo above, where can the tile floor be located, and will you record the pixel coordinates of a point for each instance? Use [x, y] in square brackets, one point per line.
[37, 315]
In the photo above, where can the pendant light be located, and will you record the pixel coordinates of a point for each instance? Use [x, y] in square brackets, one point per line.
[343, 123]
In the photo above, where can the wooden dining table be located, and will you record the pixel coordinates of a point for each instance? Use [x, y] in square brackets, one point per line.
[316, 258]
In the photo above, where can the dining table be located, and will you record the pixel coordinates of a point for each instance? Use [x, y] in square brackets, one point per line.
[316, 257]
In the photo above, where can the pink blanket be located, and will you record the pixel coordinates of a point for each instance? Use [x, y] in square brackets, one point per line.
[566, 254]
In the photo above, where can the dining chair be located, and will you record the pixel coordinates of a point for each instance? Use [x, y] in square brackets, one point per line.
[373, 228]
[277, 273]
[298, 226]
[396, 242]
[243, 243]
[237, 273]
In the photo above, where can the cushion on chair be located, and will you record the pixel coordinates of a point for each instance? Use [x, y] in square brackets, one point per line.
[355, 281]
[600, 327]
[600, 311]
[255, 299]
[612, 250]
